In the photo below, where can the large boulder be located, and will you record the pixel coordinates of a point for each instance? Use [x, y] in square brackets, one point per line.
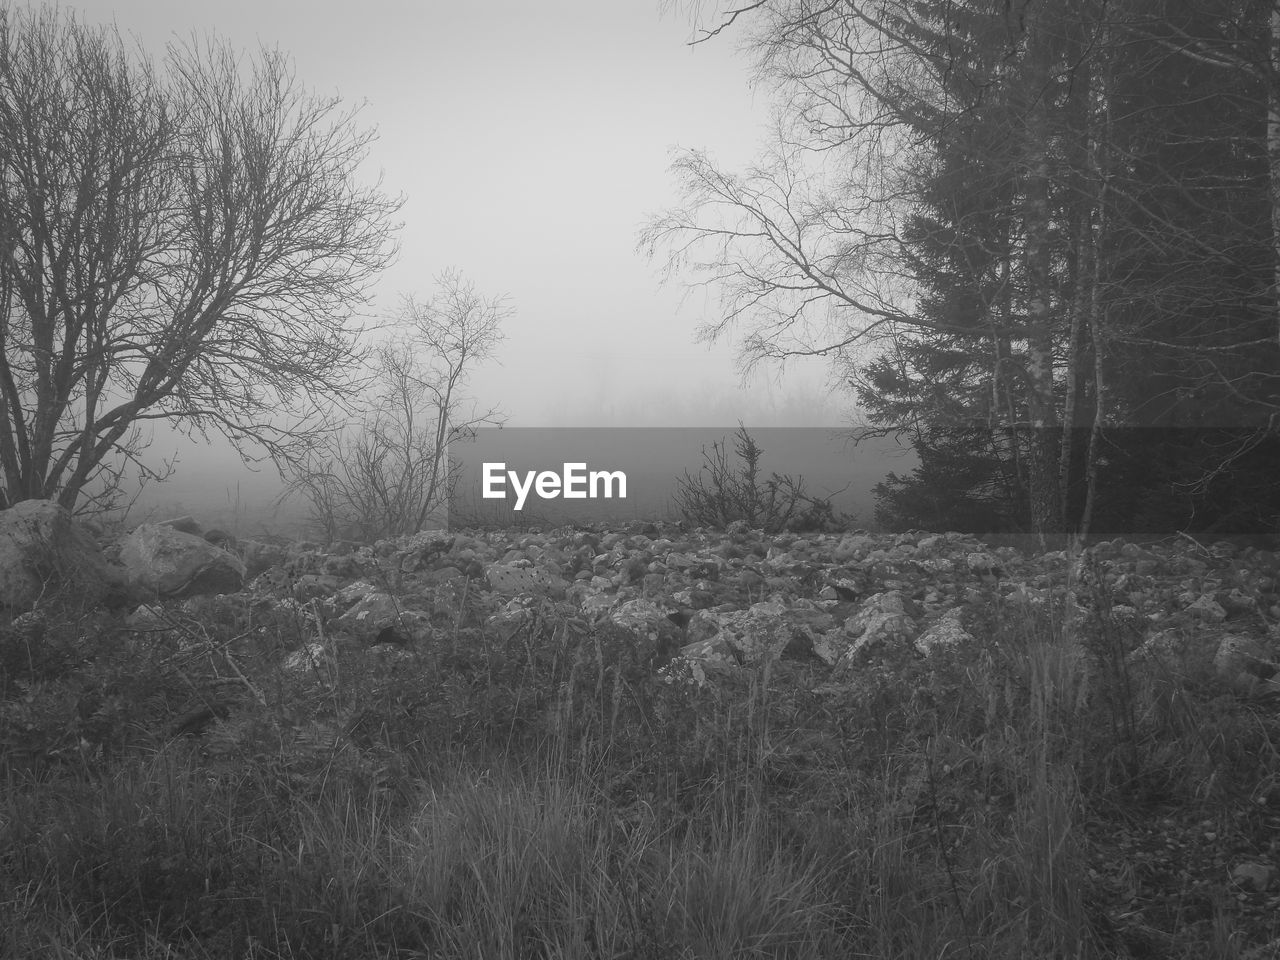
[162, 561]
[883, 617]
[186, 523]
[763, 632]
[259, 556]
[646, 628]
[44, 551]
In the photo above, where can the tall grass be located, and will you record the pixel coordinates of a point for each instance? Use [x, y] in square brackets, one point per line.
[543, 792]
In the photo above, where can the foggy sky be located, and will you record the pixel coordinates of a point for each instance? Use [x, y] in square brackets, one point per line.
[531, 141]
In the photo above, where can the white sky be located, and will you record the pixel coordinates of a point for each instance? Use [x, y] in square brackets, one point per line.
[531, 140]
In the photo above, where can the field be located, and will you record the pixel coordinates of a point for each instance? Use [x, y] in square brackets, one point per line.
[170, 789]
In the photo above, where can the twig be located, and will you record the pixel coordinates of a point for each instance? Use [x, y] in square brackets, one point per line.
[733, 15]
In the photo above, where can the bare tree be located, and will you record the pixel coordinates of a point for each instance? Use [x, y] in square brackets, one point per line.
[185, 245]
[392, 473]
[809, 249]
[1108, 278]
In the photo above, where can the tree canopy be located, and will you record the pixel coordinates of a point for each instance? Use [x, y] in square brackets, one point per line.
[1040, 238]
[185, 241]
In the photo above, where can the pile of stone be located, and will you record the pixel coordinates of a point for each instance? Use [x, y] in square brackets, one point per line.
[698, 603]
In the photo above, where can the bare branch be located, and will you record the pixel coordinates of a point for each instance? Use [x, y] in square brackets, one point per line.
[189, 245]
[732, 16]
[392, 474]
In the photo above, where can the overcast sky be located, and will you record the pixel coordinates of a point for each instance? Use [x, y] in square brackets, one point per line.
[531, 140]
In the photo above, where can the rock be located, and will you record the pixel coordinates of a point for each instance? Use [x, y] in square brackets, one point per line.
[842, 588]
[259, 557]
[752, 635]
[1254, 876]
[808, 627]
[352, 592]
[711, 649]
[309, 657]
[853, 547]
[655, 637]
[593, 602]
[1237, 604]
[444, 574]
[1246, 666]
[514, 617]
[220, 538]
[424, 549]
[947, 631]
[883, 617]
[702, 607]
[147, 618]
[344, 566]
[1207, 608]
[985, 567]
[164, 562]
[1163, 646]
[185, 524]
[44, 550]
[509, 579]
[380, 618]
[276, 579]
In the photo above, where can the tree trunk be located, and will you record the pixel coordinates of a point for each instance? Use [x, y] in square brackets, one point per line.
[1079, 293]
[1273, 157]
[1046, 500]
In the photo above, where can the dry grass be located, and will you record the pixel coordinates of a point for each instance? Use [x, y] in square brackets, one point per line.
[544, 794]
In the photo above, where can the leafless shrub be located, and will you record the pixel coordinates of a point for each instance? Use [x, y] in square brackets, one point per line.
[719, 496]
[392, 474]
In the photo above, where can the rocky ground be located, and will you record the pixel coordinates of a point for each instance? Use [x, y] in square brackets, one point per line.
[707, 612]
[703, 602]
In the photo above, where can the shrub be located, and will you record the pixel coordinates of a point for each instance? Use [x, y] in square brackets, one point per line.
[719, 496]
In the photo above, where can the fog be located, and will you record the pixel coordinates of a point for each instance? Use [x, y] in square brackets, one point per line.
[531, 142]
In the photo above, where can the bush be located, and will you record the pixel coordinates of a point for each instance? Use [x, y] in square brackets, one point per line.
[718, 496]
